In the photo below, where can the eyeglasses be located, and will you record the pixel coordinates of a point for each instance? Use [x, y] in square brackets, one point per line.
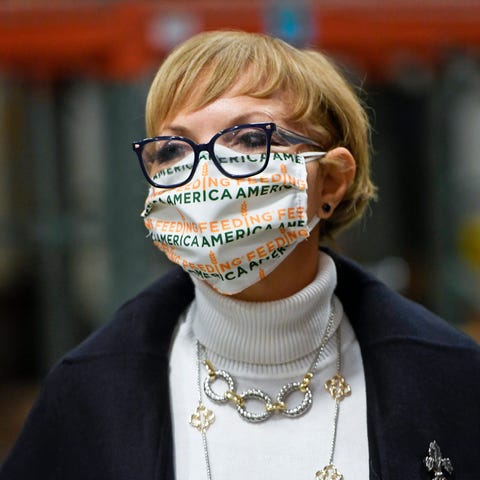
[238, 152]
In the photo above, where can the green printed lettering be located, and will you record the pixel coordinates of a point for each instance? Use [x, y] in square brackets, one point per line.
[252, 265]
[241, 193]
[216, 239]
[213, 194]
[226, 194]
[241, 271]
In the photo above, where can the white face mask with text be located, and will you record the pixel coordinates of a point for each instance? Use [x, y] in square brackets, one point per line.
[232, 233]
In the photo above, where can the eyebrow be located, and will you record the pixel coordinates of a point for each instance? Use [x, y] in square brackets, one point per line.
[177, 130]
[237, 120]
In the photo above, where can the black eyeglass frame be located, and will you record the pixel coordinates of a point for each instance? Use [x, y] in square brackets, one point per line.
[292, 138]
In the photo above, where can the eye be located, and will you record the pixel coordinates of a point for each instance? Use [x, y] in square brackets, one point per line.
[245, 140]
[168, 151]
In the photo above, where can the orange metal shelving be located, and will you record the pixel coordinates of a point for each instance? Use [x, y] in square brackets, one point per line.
[125, 39]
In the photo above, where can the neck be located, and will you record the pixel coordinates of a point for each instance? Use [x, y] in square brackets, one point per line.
[273, 332]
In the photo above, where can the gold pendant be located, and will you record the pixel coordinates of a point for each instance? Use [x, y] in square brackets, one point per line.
[338, 387]
[202, 418]
[328, 472]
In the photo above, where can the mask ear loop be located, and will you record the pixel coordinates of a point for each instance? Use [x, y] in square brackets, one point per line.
[309, 157]
[313, 223]
[312, 156]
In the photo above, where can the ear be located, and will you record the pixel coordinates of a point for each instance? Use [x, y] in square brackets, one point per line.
[337, 171]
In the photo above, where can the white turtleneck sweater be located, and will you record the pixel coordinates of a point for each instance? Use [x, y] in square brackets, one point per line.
[265, 345]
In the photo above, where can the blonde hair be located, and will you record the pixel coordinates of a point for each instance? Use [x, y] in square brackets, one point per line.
[207, 65]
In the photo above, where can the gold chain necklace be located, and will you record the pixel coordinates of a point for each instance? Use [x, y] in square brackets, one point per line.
[336, 386]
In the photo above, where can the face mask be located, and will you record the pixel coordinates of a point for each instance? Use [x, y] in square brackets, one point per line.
[228, 232]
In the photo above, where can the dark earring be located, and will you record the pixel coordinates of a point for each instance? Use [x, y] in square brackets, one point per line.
[326, 207]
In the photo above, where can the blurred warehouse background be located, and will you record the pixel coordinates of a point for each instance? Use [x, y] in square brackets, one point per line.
[73, 81]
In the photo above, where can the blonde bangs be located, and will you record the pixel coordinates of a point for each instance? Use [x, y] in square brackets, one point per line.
[205, 67]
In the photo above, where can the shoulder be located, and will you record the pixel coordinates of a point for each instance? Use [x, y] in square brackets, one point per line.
[135, 339]
[130, 351]
[380, 315]
[144, 323]
[418, 373]
[106, 398]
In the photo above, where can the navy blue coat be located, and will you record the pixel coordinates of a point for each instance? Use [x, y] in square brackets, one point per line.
[104, 411]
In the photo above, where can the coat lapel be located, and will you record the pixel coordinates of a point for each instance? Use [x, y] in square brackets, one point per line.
[412, 360]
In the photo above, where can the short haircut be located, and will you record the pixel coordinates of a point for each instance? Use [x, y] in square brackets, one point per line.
[206, 66]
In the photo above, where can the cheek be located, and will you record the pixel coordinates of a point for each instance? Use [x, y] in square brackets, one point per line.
[314, 181]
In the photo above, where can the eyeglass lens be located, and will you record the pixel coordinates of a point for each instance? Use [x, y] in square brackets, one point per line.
[240, 152]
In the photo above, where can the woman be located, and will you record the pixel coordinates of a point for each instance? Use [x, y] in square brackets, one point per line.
[264, 357]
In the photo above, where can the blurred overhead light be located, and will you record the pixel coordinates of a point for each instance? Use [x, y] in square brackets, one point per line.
[168, 30]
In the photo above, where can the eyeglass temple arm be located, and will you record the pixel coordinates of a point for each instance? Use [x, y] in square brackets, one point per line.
[312, 156]
[293, 137]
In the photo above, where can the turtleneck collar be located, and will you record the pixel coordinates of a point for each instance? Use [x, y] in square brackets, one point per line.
[267, 333]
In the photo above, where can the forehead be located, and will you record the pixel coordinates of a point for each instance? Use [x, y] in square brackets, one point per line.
[228, 110]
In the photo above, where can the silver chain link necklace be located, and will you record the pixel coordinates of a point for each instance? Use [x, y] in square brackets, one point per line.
[336, 386]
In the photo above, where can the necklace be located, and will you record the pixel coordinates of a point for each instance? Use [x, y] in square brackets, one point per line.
[336, 386]
[270, 407]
